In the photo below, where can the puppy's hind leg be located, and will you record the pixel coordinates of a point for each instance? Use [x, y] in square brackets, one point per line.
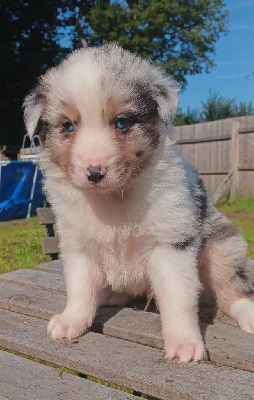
[222, 268]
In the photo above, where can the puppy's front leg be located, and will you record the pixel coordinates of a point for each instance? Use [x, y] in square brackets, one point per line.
[174, 280]
[83, 284]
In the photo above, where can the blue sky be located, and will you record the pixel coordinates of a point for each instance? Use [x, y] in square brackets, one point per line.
[234, 58]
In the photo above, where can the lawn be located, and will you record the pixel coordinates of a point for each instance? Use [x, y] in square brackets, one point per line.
[20, 245]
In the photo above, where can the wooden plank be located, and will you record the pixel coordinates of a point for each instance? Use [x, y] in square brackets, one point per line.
[215, 155]
[212, 182]
[45, 216]
[208, 157]
[235, 153]
[43, 303]
[56, 267]
[131, 365]
[246, 179]
[31, 301]
[35, 279]
[226, 344]
[50, 245]
[55, 284]
[24, 379]
[246, 144]
[223, 188]
[53, 267]
[250, 129]
[213, 173]
[245, 168]
[204, 139]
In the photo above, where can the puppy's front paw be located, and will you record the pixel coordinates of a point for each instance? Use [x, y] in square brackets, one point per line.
[243, 312]
[184, 348]
[65, 326]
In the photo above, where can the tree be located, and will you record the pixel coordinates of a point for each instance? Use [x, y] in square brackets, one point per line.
[29, 45]
[215, 107]
[190, 117]
[219, 107]
[179, 36]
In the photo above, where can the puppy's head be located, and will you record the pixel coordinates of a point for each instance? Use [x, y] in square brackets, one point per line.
[100, 115]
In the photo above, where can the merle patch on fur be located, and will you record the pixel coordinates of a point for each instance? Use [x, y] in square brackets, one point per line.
[185, 244]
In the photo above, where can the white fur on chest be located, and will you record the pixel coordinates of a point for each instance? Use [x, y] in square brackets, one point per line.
[115, 239]
[118, 234]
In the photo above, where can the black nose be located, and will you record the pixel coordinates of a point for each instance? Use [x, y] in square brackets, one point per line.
[95, 173]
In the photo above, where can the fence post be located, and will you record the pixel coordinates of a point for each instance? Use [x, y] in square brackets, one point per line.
[234, 158]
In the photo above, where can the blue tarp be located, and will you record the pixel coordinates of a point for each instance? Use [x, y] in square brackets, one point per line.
[20, 189]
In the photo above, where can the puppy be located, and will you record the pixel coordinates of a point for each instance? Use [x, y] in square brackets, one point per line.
[131, 214]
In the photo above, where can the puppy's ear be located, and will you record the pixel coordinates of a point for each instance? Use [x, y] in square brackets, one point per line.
[33, 108]
[166, 93]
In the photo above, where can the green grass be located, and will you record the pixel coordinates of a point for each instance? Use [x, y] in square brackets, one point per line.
[20, 244]
[239, 204]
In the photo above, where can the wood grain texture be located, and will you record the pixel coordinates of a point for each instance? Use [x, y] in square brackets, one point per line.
[246, 157]
[22, 379]
[246, 179]
[234, 159]
[31, 301]
[207, 146]
[55, 284]
[204, 139]
[50, 245]
[54, 267]
[45, 216]
[226, 344]
[35, 279]
[131, 365]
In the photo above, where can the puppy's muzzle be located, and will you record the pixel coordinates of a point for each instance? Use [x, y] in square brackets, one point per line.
[95, 173]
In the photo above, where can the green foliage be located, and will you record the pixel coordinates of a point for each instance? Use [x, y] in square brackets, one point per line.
[190, 117]
[179, 36]
[219, 107]
[29, 45]
[215, 107]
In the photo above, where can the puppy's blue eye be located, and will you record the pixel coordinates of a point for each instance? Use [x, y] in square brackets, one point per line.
[68, 126]
[122, 123]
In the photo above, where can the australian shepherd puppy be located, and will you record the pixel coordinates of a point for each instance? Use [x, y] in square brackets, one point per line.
[133, 217]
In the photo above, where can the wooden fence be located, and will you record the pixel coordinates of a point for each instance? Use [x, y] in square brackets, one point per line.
[223, 153]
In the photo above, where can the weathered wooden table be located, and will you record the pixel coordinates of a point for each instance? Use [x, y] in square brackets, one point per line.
[124, 347]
